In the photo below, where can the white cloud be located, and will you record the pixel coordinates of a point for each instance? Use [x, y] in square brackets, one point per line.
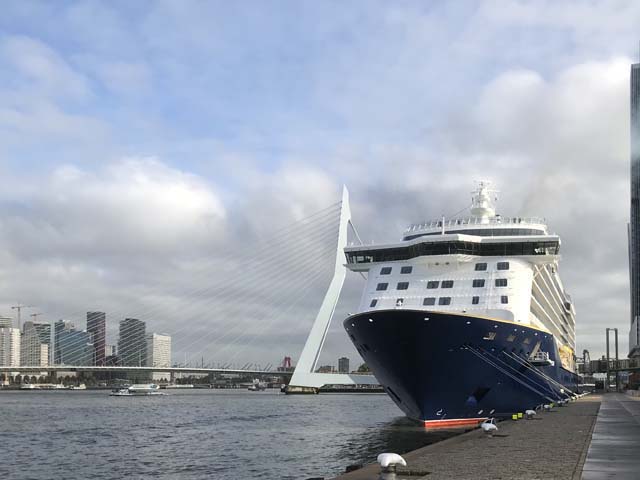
[133, 207]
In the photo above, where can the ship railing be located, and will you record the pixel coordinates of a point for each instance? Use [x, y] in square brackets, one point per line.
[497, 220]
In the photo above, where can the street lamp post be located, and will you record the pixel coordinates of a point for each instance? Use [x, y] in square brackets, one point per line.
[617, 364]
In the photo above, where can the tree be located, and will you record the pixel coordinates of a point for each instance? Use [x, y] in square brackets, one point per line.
[364, 368]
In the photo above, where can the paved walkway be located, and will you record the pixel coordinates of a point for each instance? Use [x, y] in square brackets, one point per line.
[553, 446]
[614, 452]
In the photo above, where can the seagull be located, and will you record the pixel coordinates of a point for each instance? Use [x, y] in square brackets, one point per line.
[489, 427]
[387, 460]
[530, 414]
[547, 407]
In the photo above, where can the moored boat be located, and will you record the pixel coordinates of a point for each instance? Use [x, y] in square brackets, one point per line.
[466, 318]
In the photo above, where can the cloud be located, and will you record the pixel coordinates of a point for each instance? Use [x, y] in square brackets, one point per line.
[39, 64]
[136, 206]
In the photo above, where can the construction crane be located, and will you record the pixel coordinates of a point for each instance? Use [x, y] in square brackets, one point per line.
[19, 308]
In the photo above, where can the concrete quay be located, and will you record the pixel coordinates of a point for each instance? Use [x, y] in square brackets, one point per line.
[613, 452]
[554, 445]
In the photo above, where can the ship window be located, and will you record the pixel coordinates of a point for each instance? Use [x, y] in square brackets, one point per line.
[478, 282]
[447, 284]
[382, 286]
[444, 301]
[503, 265]
[489, 336]
[511, 338]
[481, 267]
[433, 284]
[402, 285]
[406, 269]
[373, 303]
[429, 301]
[501, 282]
[475, 300]
[504, 299]
[399, 302]
[385, 270]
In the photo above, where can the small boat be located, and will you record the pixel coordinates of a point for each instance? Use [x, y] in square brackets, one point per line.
[82, 386]
[178, 385]
[121, 392]
[144, 389]
[257, 386]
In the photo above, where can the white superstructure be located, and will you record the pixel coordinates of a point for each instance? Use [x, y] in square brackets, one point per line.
[486, 265]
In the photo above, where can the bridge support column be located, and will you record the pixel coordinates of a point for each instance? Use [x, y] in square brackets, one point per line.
[305, 379]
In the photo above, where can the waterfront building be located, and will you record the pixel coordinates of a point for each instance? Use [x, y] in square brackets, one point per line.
[343, 365]
[72, 346]
[158, 350]
[9, 347]
[43, 330]
[76, 348]
[6, 322]
[110, 351]
[634, 224]
[33, 350]
[132, 344]
[96, 326]
[58, 328]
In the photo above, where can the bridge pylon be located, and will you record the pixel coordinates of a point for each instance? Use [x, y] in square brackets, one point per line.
[305, 379]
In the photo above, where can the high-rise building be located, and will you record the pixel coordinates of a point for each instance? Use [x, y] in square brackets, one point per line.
[34, 351]
[132, 345]
[6, 322]
[158, 350]
[9, 347]
[44, 331]
[72, 347]
[634, 224]
[343, 365]
[58, 328]
[97, 327]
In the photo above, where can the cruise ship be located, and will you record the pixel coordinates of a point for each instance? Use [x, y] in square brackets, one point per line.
[466, 318]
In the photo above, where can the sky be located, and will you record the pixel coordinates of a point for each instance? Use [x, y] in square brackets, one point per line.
[151, 151]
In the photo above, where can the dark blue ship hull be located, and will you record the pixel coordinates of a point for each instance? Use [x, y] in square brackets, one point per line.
[448, 369]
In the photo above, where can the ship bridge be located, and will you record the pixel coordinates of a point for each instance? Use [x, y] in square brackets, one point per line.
[454, 244]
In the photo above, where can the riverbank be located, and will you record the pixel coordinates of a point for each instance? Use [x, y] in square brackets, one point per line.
[553, 445]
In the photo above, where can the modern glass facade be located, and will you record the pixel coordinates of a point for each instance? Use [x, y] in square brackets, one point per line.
[96, 326]
[132, 344]
[634, 223]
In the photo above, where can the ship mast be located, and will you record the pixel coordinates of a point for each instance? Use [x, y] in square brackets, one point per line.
[482, 202]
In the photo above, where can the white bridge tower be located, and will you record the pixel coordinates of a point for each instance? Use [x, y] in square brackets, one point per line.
[305, 379]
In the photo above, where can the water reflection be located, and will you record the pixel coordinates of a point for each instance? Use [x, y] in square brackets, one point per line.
[400, 435]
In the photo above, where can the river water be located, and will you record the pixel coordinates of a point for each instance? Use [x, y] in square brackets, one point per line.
[197, 434]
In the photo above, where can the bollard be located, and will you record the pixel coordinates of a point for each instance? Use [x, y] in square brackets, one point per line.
[520, 415]
[514, 416]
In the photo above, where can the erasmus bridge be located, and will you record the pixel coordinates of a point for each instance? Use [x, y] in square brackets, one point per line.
[227, 307]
